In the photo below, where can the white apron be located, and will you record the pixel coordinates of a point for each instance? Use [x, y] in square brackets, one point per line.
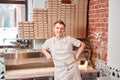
[65, 65]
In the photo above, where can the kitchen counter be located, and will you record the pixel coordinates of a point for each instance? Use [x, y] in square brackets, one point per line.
[33, 64]
[25, 61]
[32, 67]
[35, 72]
[29, 73]
[44, 72]
[35, 67]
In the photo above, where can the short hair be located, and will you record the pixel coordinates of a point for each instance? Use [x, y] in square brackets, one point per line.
[60, 22]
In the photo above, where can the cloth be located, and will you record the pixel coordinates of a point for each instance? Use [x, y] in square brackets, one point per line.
[62, 53]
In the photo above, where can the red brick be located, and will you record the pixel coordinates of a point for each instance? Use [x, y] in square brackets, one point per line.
[93, 29]
[105, 29]
[98, 22]
[97, 29]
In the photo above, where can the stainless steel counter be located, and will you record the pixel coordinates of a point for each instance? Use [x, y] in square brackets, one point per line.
[33, 63]
[27, 63]
[25, 59]
[88, 74]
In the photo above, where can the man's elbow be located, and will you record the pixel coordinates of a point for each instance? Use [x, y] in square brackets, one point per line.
[83, 45]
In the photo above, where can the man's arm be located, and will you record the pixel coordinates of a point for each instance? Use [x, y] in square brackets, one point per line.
[80, 50]
[47, 54]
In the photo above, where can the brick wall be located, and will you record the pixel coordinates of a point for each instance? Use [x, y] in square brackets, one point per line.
[98, 28]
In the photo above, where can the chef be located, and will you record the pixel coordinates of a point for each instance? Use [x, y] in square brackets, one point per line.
[59, 49]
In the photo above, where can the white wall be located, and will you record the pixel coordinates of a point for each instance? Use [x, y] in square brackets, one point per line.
[114, 34]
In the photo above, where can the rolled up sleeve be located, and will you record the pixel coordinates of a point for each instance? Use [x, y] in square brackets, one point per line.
[75, 42]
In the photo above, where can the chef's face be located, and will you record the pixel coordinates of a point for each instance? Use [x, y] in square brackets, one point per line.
[59, 29]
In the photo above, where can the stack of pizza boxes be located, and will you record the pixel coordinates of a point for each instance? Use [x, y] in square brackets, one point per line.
[80, 17]
[54, 11]
[26, 30]
[67, 15]
[41, 27]
[40, 23]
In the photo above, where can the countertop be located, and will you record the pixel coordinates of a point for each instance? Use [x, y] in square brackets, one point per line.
[35, 72]
[34, 67]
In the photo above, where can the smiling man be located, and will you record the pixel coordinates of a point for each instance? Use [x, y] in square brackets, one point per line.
[61, 52]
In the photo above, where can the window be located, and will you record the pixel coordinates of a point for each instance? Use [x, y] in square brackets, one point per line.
[11, 11]
[10, 14]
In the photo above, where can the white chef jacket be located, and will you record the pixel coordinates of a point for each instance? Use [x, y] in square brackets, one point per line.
[62, 54]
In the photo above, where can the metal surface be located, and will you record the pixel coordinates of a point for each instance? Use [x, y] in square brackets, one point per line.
[28, 58]
[25, 59]
[22, 53]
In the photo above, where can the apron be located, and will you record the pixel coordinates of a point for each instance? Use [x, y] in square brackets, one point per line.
[65, 66]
